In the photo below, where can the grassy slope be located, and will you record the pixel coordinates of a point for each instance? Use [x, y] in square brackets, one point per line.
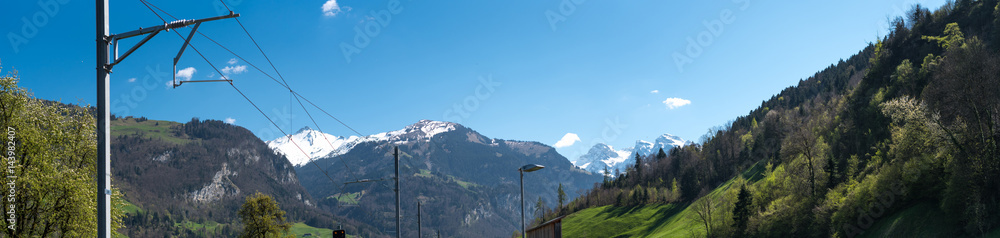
[679, 220]
[149, 129]
[670, 220]
[921, 220]
[300, 229]
[194, 226]
[131, 208]
[348, 198]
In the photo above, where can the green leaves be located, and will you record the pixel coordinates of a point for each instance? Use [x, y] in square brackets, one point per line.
[953, 37]
[262, 217]
[54, 164]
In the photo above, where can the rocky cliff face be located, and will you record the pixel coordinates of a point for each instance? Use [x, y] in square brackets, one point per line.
[203, 169]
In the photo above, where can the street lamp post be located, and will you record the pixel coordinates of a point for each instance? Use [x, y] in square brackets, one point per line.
[525, 168]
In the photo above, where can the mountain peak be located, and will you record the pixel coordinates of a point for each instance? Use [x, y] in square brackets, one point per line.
[429, 128]
[304, 129]
[319, 145]
[668, 139]
[601, 155]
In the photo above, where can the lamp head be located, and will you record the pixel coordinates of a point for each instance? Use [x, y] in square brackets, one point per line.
[531, 167]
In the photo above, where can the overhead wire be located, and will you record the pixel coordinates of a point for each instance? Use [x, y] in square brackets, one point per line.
[290, 139]
[283, 83]
[154, 12]
[340, 189]
[292, 94]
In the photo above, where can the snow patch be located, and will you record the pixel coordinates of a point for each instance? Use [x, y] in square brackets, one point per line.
[316, 144]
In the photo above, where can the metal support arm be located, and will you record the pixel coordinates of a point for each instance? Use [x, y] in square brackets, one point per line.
[152, 31]
[168, 26]
[129, 52]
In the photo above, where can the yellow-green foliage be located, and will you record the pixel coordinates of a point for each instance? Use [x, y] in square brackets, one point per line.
[53, 156]
[953, 37]
[262, 217]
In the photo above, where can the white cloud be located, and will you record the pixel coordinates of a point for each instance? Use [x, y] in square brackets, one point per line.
[186, 73]
[673, 103]
[210, 74]
[654, 91]
[232, 61]
[567, 140]
[183, 74]
[131, 80]
[330, 8]
[230, 120]
[234, 70]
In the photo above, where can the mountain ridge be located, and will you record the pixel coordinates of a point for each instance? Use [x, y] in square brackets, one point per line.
[317, 144]
[468, 179]
[601, 155]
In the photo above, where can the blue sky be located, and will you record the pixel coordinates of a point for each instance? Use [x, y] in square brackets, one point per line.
[605, 71]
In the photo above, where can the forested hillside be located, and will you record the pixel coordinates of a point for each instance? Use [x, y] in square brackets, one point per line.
[189, 179]
[905, 132]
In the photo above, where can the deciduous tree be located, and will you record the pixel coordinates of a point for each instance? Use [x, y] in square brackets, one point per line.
[262, 217]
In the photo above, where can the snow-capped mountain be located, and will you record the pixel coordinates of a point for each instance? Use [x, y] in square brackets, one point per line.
[665, 141]
[602, 155]
[319, 145]
[458, 166]
[599, 155]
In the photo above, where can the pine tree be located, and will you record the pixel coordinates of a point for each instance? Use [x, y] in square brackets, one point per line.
[661, 155]
[607, 175]
[638, 166]
[742, 211]
[562, 196]
[540, 208]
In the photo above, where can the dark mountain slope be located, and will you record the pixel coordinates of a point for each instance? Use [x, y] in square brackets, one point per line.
[469, 183]
[202, 171]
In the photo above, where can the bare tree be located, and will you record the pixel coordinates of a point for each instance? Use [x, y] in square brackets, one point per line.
[704, 210]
